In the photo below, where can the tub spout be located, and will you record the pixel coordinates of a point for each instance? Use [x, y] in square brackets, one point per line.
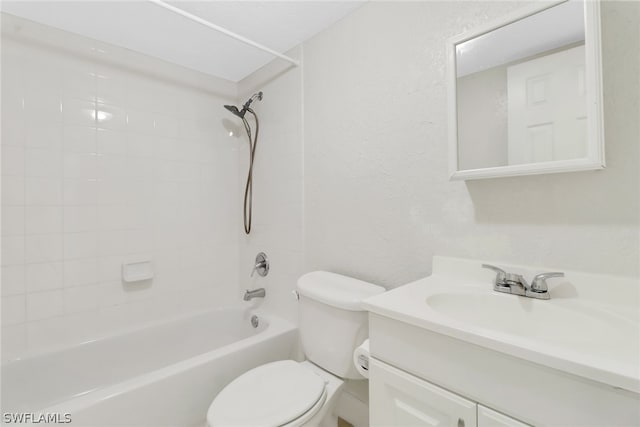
[255, 293]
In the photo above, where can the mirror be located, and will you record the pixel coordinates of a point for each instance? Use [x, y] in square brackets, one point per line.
[525, 94]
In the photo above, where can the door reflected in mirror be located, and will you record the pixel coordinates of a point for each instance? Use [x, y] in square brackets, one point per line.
[527, 93]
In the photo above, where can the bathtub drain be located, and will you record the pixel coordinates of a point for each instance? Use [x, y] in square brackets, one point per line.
[255, 321]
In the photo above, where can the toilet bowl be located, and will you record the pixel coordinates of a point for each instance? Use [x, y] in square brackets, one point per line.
[283, 393]
[289, 393]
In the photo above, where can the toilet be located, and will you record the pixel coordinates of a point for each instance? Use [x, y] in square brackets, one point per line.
[289, 393]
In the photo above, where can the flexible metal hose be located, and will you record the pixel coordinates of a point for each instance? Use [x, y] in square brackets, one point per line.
[248, 189]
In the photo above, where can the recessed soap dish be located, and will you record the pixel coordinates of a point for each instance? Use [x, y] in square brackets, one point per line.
[136, 270]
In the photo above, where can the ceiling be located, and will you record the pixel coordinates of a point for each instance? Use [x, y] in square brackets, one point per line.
[148, 28]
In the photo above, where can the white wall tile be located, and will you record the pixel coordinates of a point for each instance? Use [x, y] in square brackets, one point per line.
[13, 310]
[13, 279]
[13, 160]
[42, 107]
[80, 139]
[13, 250]
[12, 190]
[110, 117]
[141, 121]
[80, 218]
[80, 272]
[13, 220]
[79, 192]
[111, 243]
[110, 268]
[81, 298]
[111, 141]
[80, 245]
[79, 80]
[140, 145]
[43, 219]
[43, 191]
[112, 166]
[44, 277]
[44, 305]
[80, 165]
[97, 168]
[43, 248]
[79, 112]
[47, 137]
[45, 163]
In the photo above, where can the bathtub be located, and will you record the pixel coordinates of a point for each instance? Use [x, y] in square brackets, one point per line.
[165, 374]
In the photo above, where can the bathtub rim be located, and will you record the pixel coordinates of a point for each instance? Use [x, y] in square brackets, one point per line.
[246, 310]
[275, 326]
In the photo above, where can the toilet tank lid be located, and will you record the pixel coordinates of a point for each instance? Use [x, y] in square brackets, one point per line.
[336, 290]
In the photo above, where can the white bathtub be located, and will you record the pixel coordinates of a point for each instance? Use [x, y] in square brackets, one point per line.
[162, 375]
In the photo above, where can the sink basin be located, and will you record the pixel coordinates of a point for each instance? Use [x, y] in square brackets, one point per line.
[580, 328]
[590, 327]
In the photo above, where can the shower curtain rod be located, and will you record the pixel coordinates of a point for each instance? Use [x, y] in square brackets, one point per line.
[223, 30]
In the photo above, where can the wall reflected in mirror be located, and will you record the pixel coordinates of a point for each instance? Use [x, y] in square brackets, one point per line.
[521, 91]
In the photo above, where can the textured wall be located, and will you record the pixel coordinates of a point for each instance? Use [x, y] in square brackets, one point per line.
[108, 155]
[378, 204]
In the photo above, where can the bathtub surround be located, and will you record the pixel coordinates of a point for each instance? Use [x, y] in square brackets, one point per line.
[108, 156]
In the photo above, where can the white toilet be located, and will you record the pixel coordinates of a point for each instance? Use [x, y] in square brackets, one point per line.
[289, 393]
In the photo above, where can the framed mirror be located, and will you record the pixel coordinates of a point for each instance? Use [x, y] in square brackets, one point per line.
[525, 93]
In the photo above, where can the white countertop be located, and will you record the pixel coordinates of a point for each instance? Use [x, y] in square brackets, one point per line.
[589, 327]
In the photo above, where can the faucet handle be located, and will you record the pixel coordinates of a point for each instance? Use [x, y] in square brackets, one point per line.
[539, 283]
[261, 266]
[501, 275]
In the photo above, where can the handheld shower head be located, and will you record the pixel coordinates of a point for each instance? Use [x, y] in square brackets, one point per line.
[235, 111]
[245, 107]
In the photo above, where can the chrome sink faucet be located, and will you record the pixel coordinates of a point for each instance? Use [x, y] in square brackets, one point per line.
[516, 284]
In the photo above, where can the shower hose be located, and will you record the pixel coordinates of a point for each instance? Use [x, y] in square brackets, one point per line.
[248, 189]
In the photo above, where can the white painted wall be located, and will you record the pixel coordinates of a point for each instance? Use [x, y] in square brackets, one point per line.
[378, 204]
[157, 177]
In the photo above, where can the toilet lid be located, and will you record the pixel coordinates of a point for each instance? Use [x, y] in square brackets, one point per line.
[269, 395]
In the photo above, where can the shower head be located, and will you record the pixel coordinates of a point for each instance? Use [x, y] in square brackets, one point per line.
[235, 111]
[245, 107]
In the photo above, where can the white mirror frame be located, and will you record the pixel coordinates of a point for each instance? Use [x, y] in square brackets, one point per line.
[593, 75]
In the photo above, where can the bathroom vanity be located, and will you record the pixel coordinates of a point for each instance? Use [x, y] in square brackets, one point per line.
[449, 350]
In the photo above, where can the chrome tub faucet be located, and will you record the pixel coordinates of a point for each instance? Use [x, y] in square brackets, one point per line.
[255, 293]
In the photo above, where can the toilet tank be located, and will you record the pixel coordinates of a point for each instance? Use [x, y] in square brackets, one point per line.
[332, 323]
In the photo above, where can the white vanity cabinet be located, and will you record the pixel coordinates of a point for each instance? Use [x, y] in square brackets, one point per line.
[490, 418]
[449, 342]
[397, 398]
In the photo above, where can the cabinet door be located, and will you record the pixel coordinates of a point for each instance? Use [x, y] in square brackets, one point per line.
[397, 398]
[490, 418]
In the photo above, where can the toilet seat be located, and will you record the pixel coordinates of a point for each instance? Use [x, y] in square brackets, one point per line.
[282, 393]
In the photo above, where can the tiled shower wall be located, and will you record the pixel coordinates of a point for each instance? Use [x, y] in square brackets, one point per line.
[108, 155]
